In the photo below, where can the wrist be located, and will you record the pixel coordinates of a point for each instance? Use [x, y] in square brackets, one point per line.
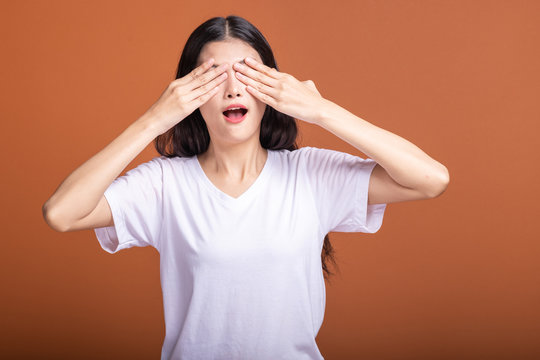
[327, 112]
[149, 124]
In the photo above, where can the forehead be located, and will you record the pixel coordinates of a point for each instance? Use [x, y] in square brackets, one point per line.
[229, 51]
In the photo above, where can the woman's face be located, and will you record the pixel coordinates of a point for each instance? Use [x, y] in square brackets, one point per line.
[231, 91]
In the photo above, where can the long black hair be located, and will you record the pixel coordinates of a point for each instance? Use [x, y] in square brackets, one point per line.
[190, 136]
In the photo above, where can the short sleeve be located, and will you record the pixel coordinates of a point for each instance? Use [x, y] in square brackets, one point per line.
[340, 184]
[135, 200]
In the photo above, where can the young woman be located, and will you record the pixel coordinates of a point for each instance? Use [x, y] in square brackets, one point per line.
[239, 214]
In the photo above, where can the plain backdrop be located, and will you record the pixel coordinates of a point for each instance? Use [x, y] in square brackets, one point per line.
[455, 277]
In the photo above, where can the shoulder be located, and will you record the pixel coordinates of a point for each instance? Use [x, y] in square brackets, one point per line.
[163, 161]
[310, 154]
[160, 165]
[301, 153]
[325, 162]
[309, 160]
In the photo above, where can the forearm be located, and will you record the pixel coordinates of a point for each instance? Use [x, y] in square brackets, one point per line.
[81, 191]
[406, 163]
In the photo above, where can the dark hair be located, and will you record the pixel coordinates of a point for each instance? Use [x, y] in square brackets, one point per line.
[190, 136]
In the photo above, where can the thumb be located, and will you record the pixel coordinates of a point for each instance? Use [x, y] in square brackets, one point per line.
[310, 84]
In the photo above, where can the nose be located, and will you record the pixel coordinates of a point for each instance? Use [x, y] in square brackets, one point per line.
[233, 86]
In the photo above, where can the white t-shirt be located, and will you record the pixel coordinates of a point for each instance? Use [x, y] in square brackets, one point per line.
[242, 277]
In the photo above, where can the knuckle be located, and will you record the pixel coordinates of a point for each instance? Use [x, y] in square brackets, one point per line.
[178, 96]
[176, 91]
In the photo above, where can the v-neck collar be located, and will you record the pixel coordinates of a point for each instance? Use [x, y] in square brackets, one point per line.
[246, 195]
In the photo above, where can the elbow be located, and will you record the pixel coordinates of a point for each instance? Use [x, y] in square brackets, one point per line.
[439, 183]
[51, 217]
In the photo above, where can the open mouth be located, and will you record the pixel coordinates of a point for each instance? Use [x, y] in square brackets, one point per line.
[235, 114]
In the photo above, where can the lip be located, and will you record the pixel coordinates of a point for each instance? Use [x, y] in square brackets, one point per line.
[235, 105]
[235, 121]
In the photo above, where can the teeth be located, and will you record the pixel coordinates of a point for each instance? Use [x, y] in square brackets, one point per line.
[235, 108]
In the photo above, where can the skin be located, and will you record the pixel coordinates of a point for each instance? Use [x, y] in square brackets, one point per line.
[235, 156]
[403, 172]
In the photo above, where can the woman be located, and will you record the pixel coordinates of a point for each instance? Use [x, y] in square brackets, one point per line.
[239, 215]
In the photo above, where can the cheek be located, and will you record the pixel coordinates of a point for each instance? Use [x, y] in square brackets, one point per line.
[261, 107]
[209, 107]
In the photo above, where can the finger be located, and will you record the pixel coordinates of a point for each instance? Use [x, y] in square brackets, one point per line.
[206, 77]
[268, 71]
[257, 85]
[205, 97]
[207, 87]
[201, 74]
[267, 99]
[254, 73]
[201, 69]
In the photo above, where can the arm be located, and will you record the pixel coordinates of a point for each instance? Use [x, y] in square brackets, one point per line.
[403, 171]
[78, 203]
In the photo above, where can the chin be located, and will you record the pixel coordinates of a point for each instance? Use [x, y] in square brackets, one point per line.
[238, 134]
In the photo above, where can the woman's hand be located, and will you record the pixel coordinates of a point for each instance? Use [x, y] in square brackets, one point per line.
[182, 96]
[283, 92]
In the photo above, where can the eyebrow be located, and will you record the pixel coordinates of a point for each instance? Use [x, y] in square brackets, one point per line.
[216, 65]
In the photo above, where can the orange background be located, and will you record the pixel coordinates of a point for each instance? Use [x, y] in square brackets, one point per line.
[456, 277]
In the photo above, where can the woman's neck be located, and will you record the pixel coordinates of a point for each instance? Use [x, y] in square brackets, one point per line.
[237, 162]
